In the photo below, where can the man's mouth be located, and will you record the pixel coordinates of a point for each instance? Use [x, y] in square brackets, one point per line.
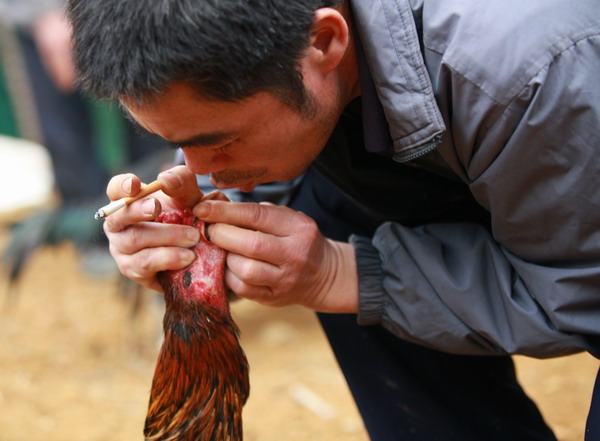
[245, 182]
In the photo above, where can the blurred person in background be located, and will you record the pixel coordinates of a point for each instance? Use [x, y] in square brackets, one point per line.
[71, 129]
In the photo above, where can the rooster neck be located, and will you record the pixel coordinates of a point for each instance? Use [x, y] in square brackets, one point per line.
[201, 380]
[201, 282]
[196, 297]
[197, 320]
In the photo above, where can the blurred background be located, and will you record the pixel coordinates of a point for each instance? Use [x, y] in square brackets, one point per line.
[78, 342]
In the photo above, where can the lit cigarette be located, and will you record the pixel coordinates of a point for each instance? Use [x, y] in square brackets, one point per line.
[124, 202]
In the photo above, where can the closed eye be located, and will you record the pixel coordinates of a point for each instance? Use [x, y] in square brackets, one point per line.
[211, 140]
[177, 146]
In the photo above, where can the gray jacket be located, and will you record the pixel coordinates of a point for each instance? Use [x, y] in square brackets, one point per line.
[508, 93]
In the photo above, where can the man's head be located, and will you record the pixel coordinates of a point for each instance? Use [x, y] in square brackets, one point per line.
[251, 89]
[225, 49]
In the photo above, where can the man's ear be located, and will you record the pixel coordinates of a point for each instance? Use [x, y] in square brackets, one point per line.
[329, 40]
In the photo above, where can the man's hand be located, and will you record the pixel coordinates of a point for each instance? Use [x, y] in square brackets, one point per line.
[141, 247]
[277, 256]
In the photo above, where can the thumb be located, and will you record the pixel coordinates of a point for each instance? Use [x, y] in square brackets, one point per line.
[180, 184]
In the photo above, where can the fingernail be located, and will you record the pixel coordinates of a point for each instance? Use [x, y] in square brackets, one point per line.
[127, 185]
[172, 180]
[192, 235]
[149, 206]
[187, 256]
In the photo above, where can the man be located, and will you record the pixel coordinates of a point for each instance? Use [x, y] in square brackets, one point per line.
[453, 142]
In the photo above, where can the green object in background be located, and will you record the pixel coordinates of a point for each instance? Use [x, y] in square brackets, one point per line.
[8, 122]
[111, 135]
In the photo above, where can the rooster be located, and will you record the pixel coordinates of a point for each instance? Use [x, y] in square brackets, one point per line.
[201, 379]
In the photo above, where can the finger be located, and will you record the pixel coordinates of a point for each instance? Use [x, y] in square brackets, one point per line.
[151, 235]
[249, 243]
[277, 220]
[148, 261]
[139, 211]
[126, 184]
[252, 271]
[260, 294]
[180, 184]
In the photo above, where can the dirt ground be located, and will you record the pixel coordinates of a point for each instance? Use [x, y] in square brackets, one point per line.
[76, 366]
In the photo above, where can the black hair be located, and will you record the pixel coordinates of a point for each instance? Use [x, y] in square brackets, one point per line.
[226, 49]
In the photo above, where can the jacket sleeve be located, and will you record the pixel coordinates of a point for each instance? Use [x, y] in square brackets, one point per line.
[532, 284]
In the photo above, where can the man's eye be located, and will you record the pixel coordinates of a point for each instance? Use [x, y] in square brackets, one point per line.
[226, 146]
[177, 146]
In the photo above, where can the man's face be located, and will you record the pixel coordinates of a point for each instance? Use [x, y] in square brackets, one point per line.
[243, 144]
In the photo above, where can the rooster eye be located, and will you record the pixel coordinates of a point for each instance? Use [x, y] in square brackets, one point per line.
[187, 279]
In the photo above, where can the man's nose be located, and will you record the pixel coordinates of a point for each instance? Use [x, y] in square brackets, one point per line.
[205, 161]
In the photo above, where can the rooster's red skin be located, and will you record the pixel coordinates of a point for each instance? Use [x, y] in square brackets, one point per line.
[201, 379]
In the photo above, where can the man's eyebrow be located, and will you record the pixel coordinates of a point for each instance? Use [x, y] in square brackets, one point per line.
[205, 140]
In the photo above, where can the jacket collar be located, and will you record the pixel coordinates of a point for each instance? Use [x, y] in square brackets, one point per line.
[394, 81]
